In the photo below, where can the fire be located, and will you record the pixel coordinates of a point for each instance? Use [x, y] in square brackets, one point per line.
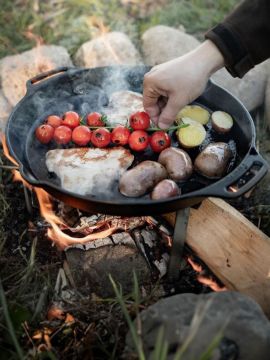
[203, 279]
[102, 229]
[55, 233]
[5, 149]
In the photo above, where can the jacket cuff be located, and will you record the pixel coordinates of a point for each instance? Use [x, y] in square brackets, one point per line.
[237, 59]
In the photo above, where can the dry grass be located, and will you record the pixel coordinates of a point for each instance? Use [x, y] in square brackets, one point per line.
[72, 22]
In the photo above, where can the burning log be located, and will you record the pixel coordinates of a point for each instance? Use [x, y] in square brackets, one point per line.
[234, 249]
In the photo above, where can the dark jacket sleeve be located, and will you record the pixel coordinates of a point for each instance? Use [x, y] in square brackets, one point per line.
[244, 36]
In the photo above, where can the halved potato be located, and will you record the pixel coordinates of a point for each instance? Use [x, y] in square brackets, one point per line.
[194, 112]
[192, 135]
[222, 122]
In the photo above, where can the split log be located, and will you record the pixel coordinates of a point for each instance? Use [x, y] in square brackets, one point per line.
[236, 251]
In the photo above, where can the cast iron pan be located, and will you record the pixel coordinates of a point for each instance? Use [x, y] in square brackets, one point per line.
[86, 90]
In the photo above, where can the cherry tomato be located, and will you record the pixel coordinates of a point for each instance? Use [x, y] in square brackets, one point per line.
[62, 134]
[159, 141]
[54, 121]
[120, 135]
[95, 119]
[140, 120]
[138, 140]
[101, 137]
[44, 133]
[81, 135]
[71, 119]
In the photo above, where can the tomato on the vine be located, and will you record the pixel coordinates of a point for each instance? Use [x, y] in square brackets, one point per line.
[101, 137]
[71, 119]
[138, 140]
[95, 119]
[159, 141]
[81, 135]
[140, 120]
[54, 121]
[44, 133]
[120, 135]
[62, 134]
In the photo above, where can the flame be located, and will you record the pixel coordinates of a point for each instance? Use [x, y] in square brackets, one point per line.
[203, 279]
[5, 149]
[31, 36]
[55, 233]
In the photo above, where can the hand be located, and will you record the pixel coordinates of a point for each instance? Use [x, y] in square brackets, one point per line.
[170, 86]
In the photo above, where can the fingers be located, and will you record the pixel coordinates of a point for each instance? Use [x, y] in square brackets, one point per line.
[169, 112]
[150, 100]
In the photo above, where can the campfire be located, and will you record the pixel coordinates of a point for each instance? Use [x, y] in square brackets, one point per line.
[71, 228]
[94, 245]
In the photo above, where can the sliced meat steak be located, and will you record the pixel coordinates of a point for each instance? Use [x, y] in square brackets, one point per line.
[89, 171]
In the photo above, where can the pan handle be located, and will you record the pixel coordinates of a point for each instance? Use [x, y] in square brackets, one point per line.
[30, 83]
[222, 187]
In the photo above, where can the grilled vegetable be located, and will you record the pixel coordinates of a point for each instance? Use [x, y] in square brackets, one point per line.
[140, 120]
[95, 119]
[212, 162]
[194, 112]
[192, 135]
[142, 178]
[177, 163]
[159, 141]
[54, 121]
[165, 189]
[138, 140]
[44, 133]
[120, 135]
[222, 122]
[71, 119]
[101, 137]
[62, 134]
[81, 135]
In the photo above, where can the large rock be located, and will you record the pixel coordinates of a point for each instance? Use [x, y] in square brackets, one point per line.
[109, 49]
[162, 43]
[5, 110]
[250, 89]
[17, 69]
[245, 329]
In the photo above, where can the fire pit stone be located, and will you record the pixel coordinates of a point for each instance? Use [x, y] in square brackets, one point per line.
[15, 70]
[245, 329]
[109, 49]
[5, 110]
[162, 43]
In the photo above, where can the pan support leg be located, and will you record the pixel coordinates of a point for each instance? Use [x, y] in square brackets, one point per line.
[179, 238]
[28, 200]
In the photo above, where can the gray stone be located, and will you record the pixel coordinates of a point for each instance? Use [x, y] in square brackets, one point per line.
[90, 269]
[110, 49]
[5, 110]
[163, 43]
[250, 89]
[241, 320]
[15, 70]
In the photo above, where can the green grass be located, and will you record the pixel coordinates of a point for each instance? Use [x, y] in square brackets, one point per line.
[196, 15]
[71, 22]
[161, 347]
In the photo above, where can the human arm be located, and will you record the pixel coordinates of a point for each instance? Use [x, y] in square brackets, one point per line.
[180, 81]
[241, 41]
